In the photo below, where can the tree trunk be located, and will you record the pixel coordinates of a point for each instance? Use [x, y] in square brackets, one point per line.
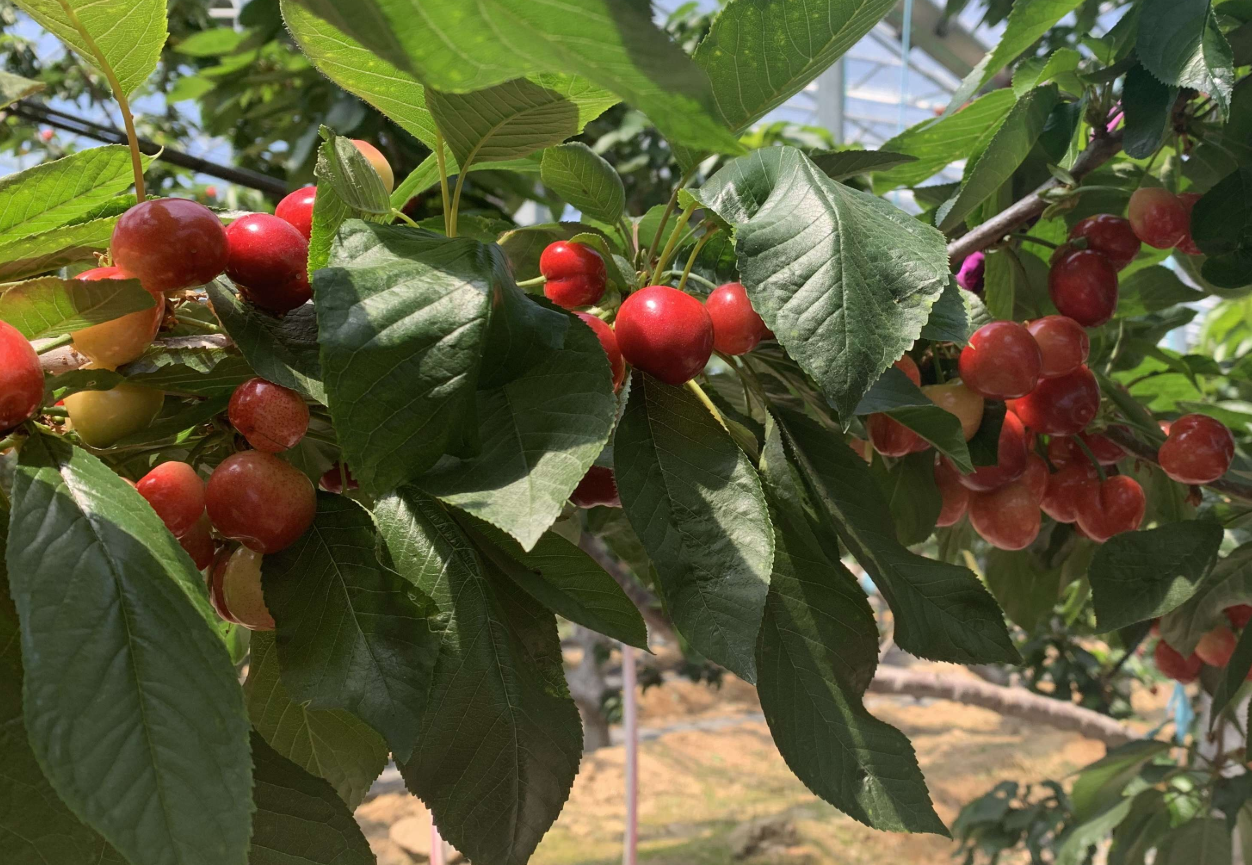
[587, 687]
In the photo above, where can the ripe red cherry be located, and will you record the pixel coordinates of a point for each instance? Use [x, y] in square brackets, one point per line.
[736, 327]
[1083, 285]
[1063, 344]
[892, 438]
[380, 163]
[1158, 218]
[1001, 361]
[268, 260]
[598, 487]
[21, 378]
[256, 498]
[110, 344]
[608, 341]
[333, 478]
[235, 590]
[575, 274]
[1239, 615]
[908, 366]
[198, 542]
[1198, 451]
[1060, 499]
[1060, 406]
[1036, 476]
[1109, 235]
[955, 495]
[665, 333]
[169, 244]
[1216, 647]
[1106, 509]
[296, 209]
[1187, 245]
[1010, 459]
[176, 493]
[1007, 518]
[1174, 665]
[272, 418]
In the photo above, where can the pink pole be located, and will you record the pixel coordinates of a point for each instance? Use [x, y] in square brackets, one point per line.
[436, 843]
[630, 724]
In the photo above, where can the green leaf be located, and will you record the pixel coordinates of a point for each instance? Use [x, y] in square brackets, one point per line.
[1229, 583]
[353, 178]
[817, 652]
[128, 33]
[1202, 841]
[1137, 576]
[1076, 848]
[1234, 675]
[1026, 591]
[58, 247]
[584, 179]
[51, 306]
[351, 634]
[842, 164]
[912, 495]
[1001, 283]
[695, 501]
[1147, 103]
[77, 380]
[426, 175]
[159, 768]
[330, 743]
[53, 193]
[1152, 289]
[458, 48]
[844, 279]
[282, 350]
[941, 611]
[1144, 827]
[15, 87]
[1221, 218]
[1059, 66]
[193, 371]
[938, 143]
[540, 433]
[1179, 42]
[894, 394]
[1006, 150]
[501, 740]
[299, 819]
[1102, 783]
[950, 319]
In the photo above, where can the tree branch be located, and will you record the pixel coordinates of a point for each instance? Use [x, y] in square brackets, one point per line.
[1144, 451]
[66, 358]
[658, 623]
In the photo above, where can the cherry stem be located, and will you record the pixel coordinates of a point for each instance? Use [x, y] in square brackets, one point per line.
[12, 440]
[53, 344]
[55, 411]
[1049, 244]
[530, 283]
[1095, 462]
[669, 209]
[456, 202]
[691, 259]
[628, 236]
[708, 403]
[683, 219]
[405, 218]
[441, 160]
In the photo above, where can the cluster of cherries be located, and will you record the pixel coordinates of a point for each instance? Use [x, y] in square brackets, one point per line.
[658, 329]
[1215, 648]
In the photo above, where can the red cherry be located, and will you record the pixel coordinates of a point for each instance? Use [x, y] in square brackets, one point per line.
[271, 417]
[1187, 246]
[598, 487]
[380, 163]
[1060, 499]
[862, 448]
[269, 262]
[1063, 344]
[1001, 361]
[608, 341]
[955, 495]
[1174, 665]
[1036, 476]
[176, 493]
[169, 244]
[1199, 450]
[110, 344]
[1106, 509]
[575, 274]
[665, 333]
[1010, 459]
[908, 366]
[1083, 285]
[1060, 406]
[1109, 235]
[1158, 218]
[955, 398]
[1007, 518]
[235, 590]
[892, 438]
[296, 209]
[1216, 647]
[256, 498]
[21, 378]
[736, 327]
[332, 480]
[1239, 615]
[198, 542]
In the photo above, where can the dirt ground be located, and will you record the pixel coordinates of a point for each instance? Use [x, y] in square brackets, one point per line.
[713, 788]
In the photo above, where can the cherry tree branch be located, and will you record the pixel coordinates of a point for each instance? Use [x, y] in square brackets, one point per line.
[66, 358]
[1144, 451]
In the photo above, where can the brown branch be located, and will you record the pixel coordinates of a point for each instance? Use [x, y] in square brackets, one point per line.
[658, 623]
[1144, 451]
[67, 358]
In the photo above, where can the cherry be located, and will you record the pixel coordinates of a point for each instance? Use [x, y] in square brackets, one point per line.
[958, 399]
[1060, 499]
[1174, 665]
[101, 417]
[380, 163]
[1158, 218]
[1108, 508]
[1083, 285]
[1060, 406]
[198, 542]
[1007, 518]
[1109, 235]
[256, 498]
[296, 209]
[955, 495]
[1199, 450]
[608, 341]
[908, 366]
[332, 480]
[574, 272]
[862, 448]
[1063, 449]
[1036, 476]
[169, 244]
[176, 493]
[892, 438]
[1063, 344]
[1010, 459]
[1001, 361]
[598, 487]
[110, 344]
[21, 378]
[1216, 646]
[271, 417]
[268, 260]
[235, 590]
[665, 333]
[1239, 615]
[1187, 245]
[736, 327]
